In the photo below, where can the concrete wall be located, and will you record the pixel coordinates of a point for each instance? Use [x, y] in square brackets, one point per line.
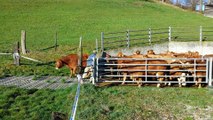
[157, 48]
[202, 47]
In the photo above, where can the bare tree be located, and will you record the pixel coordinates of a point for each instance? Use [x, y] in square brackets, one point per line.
[193, 3]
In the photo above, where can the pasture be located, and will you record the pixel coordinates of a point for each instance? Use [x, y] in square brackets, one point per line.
[74, 18]
[118, 102]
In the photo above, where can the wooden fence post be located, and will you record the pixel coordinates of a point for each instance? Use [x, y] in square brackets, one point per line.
[201, 33]
[102, 41]
[16, 54]
[96, 44]
[128, 38]
[170, 34]
[150, 36]
[23, 42]
[56, 41]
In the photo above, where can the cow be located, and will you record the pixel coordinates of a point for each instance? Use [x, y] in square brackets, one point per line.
[157, 67]
[200, 74]
[120, 65]
[138, 70]
[176, 74]
[71, 61]
[167, 56]
[197, 68]
[208, 56]
[184, 64]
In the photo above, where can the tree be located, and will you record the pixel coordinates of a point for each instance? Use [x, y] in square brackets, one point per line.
[193, 3]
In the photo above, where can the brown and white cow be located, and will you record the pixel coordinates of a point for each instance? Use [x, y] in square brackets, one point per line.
[71, 61]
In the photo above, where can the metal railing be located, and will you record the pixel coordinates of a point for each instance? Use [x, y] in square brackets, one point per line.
[150, 36]
[108, 70]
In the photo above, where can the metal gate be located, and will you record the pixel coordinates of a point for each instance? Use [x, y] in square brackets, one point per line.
[113, 70]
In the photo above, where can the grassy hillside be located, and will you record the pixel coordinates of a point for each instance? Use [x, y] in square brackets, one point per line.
[75, 18]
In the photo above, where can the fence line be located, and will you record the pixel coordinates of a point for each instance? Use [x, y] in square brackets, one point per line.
[153, 35]
[108, 71]
[31, 59]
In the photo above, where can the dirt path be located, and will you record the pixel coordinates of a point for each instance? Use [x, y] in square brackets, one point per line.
[51, 82]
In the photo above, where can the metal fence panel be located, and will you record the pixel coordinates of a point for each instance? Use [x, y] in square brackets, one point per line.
[108, 70]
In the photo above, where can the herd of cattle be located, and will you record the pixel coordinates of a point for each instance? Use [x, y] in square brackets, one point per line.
[168, 66]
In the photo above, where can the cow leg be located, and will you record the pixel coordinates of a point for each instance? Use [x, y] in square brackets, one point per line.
[167, 82]
[74, 71]
[124, 78]
[132, 77]
[71, 72]
[139, 84]
[159, 79]
[170, 79]
[179, 82]
[118, 73]
[199, 82]
[158, 85]
[196, 82]
[111, 69]
[184, 81]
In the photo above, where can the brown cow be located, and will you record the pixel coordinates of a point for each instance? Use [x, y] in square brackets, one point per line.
[197, 69]
[208, 56]
[200, 74]
[138, 70]
[71, 61]
[174, 58]
[168, 56]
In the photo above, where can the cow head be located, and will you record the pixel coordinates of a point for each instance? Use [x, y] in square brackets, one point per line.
[120, 54]
[137, 52]
[58, 64]
[150, 52]
[84, 60]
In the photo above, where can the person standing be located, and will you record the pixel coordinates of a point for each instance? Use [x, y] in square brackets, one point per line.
[90, 63]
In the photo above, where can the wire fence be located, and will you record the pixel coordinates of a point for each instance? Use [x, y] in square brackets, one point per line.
[151, 36]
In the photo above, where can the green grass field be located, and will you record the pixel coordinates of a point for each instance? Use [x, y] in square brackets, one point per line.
[74, 18]
[108, 103]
